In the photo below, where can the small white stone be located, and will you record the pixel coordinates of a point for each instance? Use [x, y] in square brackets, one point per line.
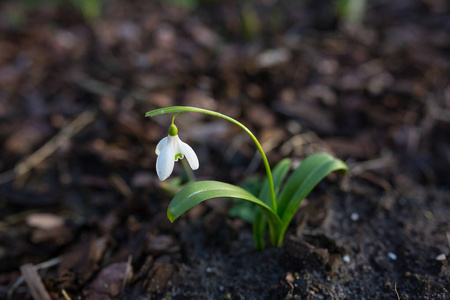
[392, 256]
[45, 221]
[208, 270]
[354, 217]
[273, 57]
[346, 258]
[441, 257]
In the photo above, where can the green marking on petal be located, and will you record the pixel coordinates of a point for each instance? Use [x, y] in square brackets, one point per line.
[178, 156]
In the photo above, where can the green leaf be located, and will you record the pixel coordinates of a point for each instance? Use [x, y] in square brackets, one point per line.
[259, 230]
[253, 185]
[243, 210]
[186, 4]
[172, 187]
[302, 181]
[200, 191]
[247, 210]
[279, 173]
[259, 220]
[299, 176]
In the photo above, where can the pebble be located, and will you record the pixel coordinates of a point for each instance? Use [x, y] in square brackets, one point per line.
[392, 256]
[273, 57]
[346, 258]
[441, 257]
[44, 221]
[354, 217]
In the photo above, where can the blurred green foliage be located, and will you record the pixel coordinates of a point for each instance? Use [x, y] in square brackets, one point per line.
[251, 27]
[14, 12]
[245, 210]
[186, 4]
[352, 12]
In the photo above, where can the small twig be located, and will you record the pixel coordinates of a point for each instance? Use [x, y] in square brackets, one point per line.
[63, 291]
[14, 287]
[43, 265]
[96, 87]
[128, 273]
[369, 165]
[120, 185]
[65, 134]
[371, 177]
[395, 288]
[34, 282]
[49, 263]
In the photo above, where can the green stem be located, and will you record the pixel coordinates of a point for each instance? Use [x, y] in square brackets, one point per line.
[273, 234]
[180, 109]
[176, 115]
[188, 171]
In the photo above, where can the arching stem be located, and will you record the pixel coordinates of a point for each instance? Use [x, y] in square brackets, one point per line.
[180, 109]
[176, 115]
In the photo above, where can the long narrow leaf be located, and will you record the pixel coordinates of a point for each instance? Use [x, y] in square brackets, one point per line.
[200, 191]
[259, 230]
[279, 174]
[260, 222]
[299, 176]
[315, 170]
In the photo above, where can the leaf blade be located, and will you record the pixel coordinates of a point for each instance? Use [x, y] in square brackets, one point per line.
[200, 191]
[259, 230]
[298, 177]
[312, 172]
[279, 174]
[310, 182]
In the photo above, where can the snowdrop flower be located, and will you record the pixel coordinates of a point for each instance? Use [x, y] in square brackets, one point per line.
[169, 150]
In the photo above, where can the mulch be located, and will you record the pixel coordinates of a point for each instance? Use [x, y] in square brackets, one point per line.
[83, 214]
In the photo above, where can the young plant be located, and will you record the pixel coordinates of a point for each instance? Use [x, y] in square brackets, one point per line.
[277, 203]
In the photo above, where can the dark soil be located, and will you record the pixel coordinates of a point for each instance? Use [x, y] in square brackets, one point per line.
[79, 195]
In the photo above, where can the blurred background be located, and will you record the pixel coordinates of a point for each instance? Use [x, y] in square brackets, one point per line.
[368, 81]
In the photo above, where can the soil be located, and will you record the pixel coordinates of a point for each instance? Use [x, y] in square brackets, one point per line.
[79, 196]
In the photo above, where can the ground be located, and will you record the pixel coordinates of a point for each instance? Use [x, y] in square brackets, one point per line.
[79, 196]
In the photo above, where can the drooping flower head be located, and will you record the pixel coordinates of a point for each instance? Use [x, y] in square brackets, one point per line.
[169, 150]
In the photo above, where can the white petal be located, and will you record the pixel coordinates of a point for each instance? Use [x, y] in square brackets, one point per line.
[162, 143]
[177, 146]
[176, 143]
[190, 155]
[165, 161]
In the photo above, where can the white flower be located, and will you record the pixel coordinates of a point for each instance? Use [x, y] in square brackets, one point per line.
[169, 150]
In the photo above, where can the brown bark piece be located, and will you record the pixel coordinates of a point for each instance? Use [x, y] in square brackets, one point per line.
[162, 277]
[305, 251]
[110, 281]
